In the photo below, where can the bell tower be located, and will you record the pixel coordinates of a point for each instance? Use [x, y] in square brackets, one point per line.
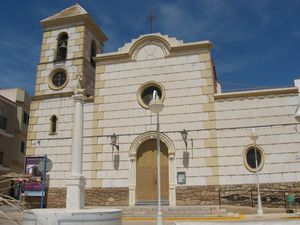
[71, 39]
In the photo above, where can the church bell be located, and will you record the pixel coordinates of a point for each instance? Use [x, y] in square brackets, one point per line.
[63, 45]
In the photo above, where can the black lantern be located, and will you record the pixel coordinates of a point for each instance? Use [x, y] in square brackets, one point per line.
[114, 138]
[184, 135]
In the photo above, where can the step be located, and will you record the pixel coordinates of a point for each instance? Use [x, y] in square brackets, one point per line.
[177, 211]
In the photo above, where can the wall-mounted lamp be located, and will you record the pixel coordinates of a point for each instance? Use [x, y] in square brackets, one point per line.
[114, 138]
[184, 135]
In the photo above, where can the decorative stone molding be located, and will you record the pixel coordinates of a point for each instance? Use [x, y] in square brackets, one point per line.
[50, 77]
[146, 85]
[151, 135]
[260, 150]
[170, 46]
[256, 93]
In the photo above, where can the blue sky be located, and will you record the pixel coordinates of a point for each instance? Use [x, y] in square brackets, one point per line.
[256, 43]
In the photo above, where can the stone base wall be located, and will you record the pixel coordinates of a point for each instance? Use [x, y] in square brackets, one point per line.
[272, 195]
[197, 195]
[56, 198]
[93, 197]
[107, 196]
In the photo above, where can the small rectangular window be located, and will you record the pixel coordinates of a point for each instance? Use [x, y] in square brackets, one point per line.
[3, 123]
[25, 118]
[1, 158]
[23, 147]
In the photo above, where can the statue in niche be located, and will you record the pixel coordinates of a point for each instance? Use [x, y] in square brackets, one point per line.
[80, 84]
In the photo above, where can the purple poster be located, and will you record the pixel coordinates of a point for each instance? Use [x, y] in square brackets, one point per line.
[32, 168]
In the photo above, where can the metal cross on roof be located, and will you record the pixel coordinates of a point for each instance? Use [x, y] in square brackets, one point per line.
[150, 18]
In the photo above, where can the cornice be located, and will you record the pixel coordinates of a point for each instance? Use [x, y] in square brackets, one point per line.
[59, 95]
[63, 62]
[113, 58]
[192, 46]
[256, 93]
[8, 101]
[51, 96]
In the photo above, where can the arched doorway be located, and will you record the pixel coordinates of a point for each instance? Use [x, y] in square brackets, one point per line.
[146, 172]
[136, 145]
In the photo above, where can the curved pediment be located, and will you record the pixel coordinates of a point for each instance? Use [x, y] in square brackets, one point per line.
[152, 46]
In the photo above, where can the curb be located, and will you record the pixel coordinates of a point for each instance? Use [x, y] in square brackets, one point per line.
[240, 217]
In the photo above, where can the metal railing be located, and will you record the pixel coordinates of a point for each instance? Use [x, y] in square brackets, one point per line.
[270, 198]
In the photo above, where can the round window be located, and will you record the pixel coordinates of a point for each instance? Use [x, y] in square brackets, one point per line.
[59, 79]
[145, 93]
[250, 158]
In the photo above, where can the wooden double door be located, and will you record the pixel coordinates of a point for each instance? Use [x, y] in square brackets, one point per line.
[146, 179]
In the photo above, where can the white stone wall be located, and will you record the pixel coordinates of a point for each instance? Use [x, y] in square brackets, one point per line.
[218, 131]
[278, 132]
[214, 155]
[58, 147]
[182, 79]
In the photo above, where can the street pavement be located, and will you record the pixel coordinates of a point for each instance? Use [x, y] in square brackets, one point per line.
[280, 222]
[273, 222]
[267, 219]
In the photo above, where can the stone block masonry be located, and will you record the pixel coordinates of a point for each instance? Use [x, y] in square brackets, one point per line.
[272, 195]
[93, 197]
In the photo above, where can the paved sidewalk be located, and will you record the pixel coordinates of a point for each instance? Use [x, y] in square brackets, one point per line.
[267, 219]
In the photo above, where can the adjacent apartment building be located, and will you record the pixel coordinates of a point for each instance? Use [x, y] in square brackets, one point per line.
[207, 154]
[14, 121]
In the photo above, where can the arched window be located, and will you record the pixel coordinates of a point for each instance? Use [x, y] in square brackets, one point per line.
[53, 124]
[62, 46]
[93, 53]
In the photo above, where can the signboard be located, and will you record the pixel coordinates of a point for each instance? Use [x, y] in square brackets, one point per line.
[181, 178]
[33, 193]
[49, 165]
[32, 168]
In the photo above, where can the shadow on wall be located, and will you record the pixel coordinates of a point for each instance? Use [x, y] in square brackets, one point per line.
[186, 159]
[116, 161]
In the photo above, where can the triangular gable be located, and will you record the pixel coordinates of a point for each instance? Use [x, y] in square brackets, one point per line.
[75, 10]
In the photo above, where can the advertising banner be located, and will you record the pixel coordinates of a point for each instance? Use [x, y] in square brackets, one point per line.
[31, 168]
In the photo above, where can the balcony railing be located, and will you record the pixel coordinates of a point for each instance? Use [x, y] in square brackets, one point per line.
[3, 123]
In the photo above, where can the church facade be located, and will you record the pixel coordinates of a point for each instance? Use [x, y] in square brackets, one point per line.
[207, 154]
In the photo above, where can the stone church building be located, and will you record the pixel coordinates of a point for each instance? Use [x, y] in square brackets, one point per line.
[214, 163]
